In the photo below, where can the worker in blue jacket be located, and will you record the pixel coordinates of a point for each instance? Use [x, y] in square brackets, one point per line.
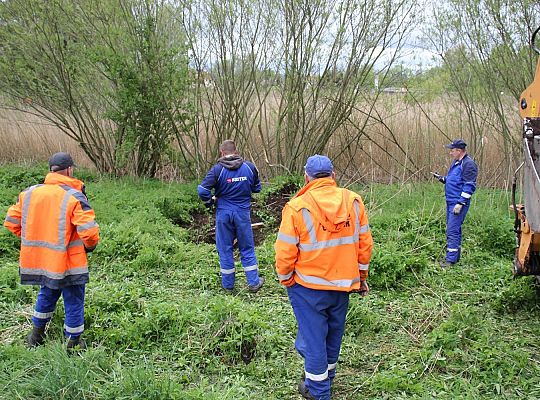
[459, 186]
[228, 185]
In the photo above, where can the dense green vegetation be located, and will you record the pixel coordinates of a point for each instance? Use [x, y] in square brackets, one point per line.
[161, 328]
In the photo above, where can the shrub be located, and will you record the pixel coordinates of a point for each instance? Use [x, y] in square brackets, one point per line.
[10, 289]
[21, 177]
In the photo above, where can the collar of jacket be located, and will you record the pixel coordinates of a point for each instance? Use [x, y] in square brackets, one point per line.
[315, 184]
[53, 178]
[327, 203]
[457, 162]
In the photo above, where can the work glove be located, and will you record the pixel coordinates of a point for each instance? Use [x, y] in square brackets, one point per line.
[457, 208]
[439, 177]
[89, 249]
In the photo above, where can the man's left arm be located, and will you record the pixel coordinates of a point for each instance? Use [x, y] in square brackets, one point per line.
[256, 184]
[365, 242]
[84, 219]
[469, 174]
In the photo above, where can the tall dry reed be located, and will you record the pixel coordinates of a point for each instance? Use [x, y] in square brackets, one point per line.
[401, 140]
[27, 138]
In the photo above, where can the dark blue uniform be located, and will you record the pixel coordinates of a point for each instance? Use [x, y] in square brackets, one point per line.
[459, 186]
[233, 180]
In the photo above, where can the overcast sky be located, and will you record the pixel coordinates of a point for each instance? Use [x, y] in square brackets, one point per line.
[412, 57]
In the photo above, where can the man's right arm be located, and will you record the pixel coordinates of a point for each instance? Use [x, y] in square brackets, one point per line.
[286, 248]
[84, 219]
[13, 218]
[208, 184]
[439, 177]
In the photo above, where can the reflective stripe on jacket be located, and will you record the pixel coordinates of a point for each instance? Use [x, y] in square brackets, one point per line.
[324, 241]
[55, 224]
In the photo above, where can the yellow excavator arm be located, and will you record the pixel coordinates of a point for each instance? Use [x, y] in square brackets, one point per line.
[527, 216]
[530, 98]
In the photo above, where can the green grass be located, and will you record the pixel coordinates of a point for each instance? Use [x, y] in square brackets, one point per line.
[160, 327]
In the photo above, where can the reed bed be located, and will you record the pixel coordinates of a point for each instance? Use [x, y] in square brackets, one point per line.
[401, 141]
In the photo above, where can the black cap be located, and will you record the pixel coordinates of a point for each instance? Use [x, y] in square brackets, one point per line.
[457, 144]
[60, 161]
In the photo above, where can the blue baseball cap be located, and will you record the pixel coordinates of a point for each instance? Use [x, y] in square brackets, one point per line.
[457, 144]
[318, 166]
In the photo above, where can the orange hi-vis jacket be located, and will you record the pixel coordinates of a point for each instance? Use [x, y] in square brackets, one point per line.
[55, 224]
[324, 241]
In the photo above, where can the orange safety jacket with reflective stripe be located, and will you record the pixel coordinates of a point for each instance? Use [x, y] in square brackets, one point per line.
[324, 241]
[55, 224]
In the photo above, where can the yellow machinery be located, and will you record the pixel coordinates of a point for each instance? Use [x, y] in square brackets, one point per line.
[527, 223]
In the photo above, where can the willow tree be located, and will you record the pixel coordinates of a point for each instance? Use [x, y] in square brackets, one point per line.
[286, 75]
[485, 46]
[109, 74]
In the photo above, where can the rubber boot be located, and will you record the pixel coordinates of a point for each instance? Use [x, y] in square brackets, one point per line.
[75, 344]
[36, 337]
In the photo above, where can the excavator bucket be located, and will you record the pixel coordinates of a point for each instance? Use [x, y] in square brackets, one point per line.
[527, 224]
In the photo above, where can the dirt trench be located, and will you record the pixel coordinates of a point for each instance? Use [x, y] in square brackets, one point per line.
[265, 217]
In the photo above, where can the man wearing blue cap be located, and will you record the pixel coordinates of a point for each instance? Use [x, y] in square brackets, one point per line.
[323, 250]
[459, 186]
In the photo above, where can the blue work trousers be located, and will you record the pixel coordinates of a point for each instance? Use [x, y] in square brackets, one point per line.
[320, 315]
[73, 307]
[453, 232]
[232, 225]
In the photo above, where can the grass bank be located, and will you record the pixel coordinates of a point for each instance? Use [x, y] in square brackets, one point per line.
[161, 328]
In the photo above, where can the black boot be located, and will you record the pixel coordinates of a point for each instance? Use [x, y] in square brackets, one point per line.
[256, 288]
[36, 337]
[76, 343]
[304, 391]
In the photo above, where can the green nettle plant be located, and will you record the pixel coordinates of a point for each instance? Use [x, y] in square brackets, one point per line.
[111, 75]
[159, 326]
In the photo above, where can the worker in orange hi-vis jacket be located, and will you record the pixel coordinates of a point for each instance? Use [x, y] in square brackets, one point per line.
[57, 228]
[323, 251]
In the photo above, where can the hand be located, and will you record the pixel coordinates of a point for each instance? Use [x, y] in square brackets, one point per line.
[439, 177]
[289, 282]
[89, 249]
[457, 209]
[210, 203]
[364, 289]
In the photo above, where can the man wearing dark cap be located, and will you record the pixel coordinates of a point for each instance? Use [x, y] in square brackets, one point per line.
[459, 186]
[57, 228]
[323, 251]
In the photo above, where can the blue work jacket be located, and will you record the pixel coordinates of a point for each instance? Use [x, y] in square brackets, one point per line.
[460, 181]
[231, 181]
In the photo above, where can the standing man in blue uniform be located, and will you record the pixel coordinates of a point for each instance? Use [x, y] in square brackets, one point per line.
[459, 186]
[232, 181]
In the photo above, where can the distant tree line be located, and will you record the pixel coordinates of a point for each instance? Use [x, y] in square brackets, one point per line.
[486, 50]
[142, 85]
